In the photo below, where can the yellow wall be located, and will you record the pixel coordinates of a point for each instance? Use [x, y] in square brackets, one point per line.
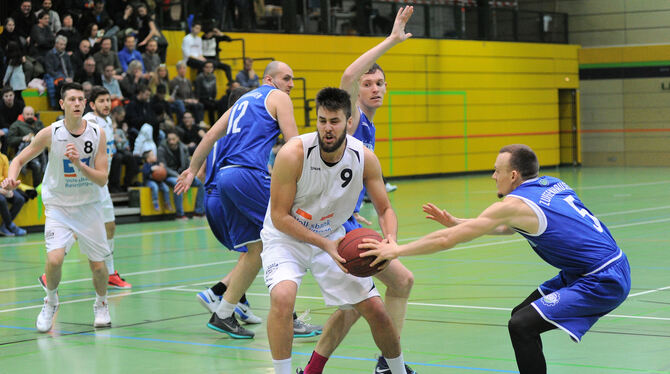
[511, 91]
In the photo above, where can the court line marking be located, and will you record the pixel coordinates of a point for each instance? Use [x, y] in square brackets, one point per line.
[649, 291]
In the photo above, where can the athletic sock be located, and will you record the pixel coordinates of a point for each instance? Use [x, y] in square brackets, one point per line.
[100, 299]
[219, 289]
[52, 296]
[225, 309]
[397, 365]
[109, 260]
[282, 366]
[315, 364]
[243, 299]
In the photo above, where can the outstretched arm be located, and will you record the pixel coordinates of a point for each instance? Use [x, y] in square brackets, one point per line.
[40, 142]
[446, 219]
[362, 64]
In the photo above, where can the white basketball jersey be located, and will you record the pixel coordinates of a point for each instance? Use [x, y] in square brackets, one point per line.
[106, 125]
[63, 184]
[326, 195]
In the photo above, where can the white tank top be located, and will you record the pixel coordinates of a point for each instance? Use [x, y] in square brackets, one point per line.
[106, 125]
[63, 184]
[326, 195]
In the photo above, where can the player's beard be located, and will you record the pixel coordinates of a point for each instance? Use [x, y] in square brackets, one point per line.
[335, 146]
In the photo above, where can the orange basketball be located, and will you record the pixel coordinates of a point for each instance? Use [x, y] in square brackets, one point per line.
[159, 173]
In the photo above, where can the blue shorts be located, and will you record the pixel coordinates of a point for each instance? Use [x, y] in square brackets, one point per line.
[574, 302]
[236, 207]
[351, 224]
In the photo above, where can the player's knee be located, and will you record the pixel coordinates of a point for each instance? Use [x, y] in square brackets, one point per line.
[282, 299]
[519, 326]
[55, 261]
[402, 284]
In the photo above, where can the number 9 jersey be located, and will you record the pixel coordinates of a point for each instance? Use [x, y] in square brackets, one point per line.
[569, 237]
[63, 184]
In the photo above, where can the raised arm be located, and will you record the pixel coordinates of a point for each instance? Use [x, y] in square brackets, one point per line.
[363, 63]
[374, 184]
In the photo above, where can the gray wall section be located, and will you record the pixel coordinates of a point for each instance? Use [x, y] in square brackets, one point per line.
[624, 122]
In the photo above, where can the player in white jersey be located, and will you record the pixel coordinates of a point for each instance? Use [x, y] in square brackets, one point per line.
[315, 186]
[71, 190]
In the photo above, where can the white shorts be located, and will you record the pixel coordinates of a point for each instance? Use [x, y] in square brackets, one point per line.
[288, 259]
[107, 207]
[63, 222]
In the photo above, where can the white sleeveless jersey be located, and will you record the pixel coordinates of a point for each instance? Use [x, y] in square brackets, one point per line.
[63, 184]
[326, 195]
[106, 125]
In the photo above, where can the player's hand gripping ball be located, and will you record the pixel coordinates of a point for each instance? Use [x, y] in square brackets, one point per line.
[348, 249]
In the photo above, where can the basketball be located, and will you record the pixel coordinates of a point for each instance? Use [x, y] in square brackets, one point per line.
[159, 173]
[348, 249]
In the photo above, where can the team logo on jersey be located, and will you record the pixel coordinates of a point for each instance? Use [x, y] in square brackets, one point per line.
[551, 299]
[326, 217]
[303, 214]
[68, 168]
[543, 182]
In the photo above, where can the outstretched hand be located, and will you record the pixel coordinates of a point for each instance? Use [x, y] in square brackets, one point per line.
[398, 33]
[386, 250]
[362, 219]
[439, 215]
[184, 182]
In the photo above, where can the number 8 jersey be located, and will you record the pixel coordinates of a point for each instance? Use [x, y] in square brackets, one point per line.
[569, 237]
[63, 184]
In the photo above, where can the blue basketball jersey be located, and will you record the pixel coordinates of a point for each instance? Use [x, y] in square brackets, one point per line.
[251, 132]
[569, 237]
[365, 131]
[212, 158]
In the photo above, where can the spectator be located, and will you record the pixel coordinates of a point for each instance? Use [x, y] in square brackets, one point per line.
[191, 48]
[210, 42]
[24, 19]
[41, 37]
[110, 82]
[73, 36]
[94, 36]
[192, 133]
[147, 29]
[124, 154]
[150, 57]
[138, 113]
[174, 155]
[248, 77]
[96, 15]
[105, 56]
[81, 54]
[161, 78]
[133, 79]
[127, 19]
[182, 89]
[10, 34]
[150, 164]
[21, 133]
[54, 18]
[14, 75]
[205, 91]
[58, 69]
[88, 73]
[8, 227]
[129, 53]
[10, 108]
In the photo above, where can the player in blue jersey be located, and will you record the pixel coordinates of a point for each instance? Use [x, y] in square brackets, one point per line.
[247, 131]
[365, 82]
[594, 277]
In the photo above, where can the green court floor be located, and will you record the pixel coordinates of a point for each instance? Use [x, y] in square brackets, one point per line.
[456, 319]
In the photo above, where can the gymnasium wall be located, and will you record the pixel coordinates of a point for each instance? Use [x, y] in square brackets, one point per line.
[492, 94]
[625, 76]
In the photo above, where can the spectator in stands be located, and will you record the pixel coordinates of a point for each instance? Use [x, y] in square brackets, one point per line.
[139, 112]
[205, 91]
[123, 155]
[10, 34]
[248, 77]
[192, 134]
[15, 198]
[174, 155]
[94, 36]
[110, 82]
[129, 53]
[24, 19]
[106, 56]
[58, 69]
[191, 48]
[133, 79]
[41, 37]
[15, 76]
[161, 78]
[88, 73]
[81, 54]
[147, 29]
[150, 57]
[10, 108]
[127, 19]
[72, 34]
[210, 41]
[182, 89]
[54, 18]
[21, 133]
[97, 15]
[150, 164]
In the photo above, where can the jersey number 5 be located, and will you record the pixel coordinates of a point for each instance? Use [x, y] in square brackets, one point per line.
[235, 116]
[584, 213]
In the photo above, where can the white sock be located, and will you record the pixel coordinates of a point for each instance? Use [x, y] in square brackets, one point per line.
[397, 365]
[109, 260]
[225, 309]
[282, 366]
[100, 299]
[52, 296]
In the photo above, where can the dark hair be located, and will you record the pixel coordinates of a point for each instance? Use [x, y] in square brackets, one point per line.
[334, 99]
[70, 86]
[236, 93]
[523, 160]
[171, 130]
[118, 109]
[142, 88]
[105, 38]
[145, 155]
[374, 68]
[6, 89]
[95, 92]
[196, 22]
[161, 89]
[42, 15]
[89, 28]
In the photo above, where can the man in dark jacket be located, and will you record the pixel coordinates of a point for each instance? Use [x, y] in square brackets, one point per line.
[21, 133]
[58, 69]
[139, 112]
[174, 155]
[11, 106]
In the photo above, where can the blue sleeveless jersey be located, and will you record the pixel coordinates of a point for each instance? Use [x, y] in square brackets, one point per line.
[251, 133]
[569, 237]
[365, 131]
[212, 157]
